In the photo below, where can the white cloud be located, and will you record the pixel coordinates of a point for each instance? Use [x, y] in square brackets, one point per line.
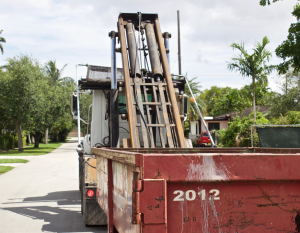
[74, 31]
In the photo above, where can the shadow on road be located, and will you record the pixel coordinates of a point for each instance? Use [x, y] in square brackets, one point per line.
[65, 217]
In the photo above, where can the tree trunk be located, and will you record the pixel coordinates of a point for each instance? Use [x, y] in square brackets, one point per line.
[37, 138]
[254, 108]
[32, 139]
[19, 131]
[286, 84]
[46, 136]
[29, 139]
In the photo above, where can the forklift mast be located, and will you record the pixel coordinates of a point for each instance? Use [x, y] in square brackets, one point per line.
[151, 101]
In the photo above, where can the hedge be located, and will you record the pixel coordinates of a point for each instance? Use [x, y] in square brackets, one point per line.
[7, 141]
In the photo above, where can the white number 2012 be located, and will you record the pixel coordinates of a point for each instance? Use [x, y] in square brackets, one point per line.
[190, 195]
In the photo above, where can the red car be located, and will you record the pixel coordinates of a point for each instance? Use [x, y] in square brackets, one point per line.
[204, 140]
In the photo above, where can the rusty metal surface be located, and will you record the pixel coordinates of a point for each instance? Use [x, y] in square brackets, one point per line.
[142, 116]
[157, 114]
[166, 116]
[153, 202]
[90, 174]
[122, 197]
[213, 192]
[241, 207]
[129, 99]
[149, 118]
[221, 167]
[115, 155]
[167, 75]
[158, 81]
[102, 184]
[208, 150]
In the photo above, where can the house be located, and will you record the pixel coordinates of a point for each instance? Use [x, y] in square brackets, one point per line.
[220, 122]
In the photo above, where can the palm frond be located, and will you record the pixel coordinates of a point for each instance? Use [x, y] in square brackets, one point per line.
[1, 48]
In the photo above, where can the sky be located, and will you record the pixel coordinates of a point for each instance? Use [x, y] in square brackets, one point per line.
[76, 32]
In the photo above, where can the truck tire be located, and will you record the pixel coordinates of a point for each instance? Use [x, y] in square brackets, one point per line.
[92, 213]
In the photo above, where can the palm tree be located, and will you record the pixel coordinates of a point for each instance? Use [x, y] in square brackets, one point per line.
[55, 75]
[195, 87]
[53, 72]
[3, 41]
[252, 65]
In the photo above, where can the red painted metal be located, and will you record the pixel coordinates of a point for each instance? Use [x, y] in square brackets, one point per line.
[221, 167]
[212, 192]
[153, 202]
[110, 224]
[261, 206]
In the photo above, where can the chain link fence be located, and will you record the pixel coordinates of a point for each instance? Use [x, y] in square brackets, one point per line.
[275, 136]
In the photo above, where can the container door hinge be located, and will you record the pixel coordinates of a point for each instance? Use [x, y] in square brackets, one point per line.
[149, 202]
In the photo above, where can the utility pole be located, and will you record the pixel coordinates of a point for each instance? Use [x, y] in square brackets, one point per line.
[179, 50]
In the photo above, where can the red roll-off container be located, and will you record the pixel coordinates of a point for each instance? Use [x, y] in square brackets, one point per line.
[199, 190]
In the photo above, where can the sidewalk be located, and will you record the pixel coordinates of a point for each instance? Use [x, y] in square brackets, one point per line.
[43, 195]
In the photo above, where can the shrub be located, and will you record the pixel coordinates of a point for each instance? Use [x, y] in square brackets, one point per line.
[7, 142]
[194, 143]
[239, 131]
[290, 118]
[16, 140]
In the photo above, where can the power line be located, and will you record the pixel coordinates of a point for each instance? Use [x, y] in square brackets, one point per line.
[213, 75]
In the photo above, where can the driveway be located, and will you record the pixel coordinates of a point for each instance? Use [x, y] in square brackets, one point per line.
[42, 195]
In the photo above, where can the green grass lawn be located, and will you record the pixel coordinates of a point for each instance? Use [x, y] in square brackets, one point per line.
[30, 150]
[4, 169]
[13, 161]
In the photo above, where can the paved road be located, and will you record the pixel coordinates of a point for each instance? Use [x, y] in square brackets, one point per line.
[42, 195]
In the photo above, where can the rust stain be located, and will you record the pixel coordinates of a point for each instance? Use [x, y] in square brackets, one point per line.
[266, 205]
[297, 222]
[266, 195]
[158, 173]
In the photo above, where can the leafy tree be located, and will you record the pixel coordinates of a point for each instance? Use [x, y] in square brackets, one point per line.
[58, 99]
[283, 103]
[252, 65]
[230, 102]
[5, 120]
[61, 121]
[39, 109]
[265, 2]
[263, 94]
[33, 100]
[2, 40]
[289, 50]
[212, 96]
[19, 88]
[289, 99]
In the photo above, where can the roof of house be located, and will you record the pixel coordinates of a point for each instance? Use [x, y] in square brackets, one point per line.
[246, 112]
